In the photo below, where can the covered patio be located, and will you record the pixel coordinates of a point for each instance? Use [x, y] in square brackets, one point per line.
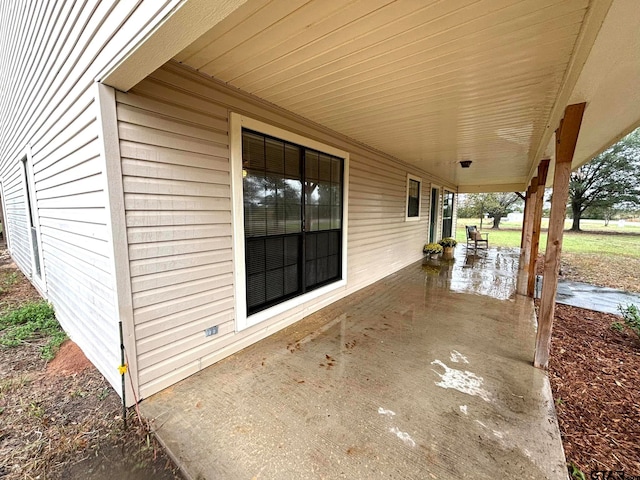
[426, 373]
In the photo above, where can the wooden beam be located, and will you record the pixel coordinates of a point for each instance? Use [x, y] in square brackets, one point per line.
[543, 169]
[527, 229]
[526, 197]
[523, 197]
[566, 139]
[528, 226]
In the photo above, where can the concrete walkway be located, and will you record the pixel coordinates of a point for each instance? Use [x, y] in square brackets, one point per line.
[424, 374]
[600, 299]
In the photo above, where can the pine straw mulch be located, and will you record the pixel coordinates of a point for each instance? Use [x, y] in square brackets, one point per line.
[594, 372]
[594, 375]
[62, 419]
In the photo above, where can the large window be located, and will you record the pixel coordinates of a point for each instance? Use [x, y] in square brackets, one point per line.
[292, 201]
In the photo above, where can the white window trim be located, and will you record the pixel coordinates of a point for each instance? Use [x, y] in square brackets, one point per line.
[40, 281]
[236, 123]
[5, 221]
[407, 218]
[445, 192]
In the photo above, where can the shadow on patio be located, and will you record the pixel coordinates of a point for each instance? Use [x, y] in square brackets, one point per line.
[425, 374]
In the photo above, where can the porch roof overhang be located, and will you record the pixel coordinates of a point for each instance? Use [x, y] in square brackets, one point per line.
[430, 83]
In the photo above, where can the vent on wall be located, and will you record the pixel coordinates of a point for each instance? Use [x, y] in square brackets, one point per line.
[211, 331]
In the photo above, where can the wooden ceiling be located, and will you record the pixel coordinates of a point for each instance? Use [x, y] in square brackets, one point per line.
[428, 82]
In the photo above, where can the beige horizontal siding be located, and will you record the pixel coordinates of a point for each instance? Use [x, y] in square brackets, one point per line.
[177, 184]
[178, 213]
[166, 324]
[51, 54]
[75, 246]
[15, 215]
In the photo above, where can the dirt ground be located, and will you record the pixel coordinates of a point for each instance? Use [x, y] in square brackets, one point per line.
[61, 419]
[611, 271]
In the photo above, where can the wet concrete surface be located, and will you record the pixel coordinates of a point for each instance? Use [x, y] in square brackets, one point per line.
[600, 299]
[425, 374]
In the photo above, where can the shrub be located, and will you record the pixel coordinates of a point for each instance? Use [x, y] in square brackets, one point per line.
[617, 326]
[631, 316]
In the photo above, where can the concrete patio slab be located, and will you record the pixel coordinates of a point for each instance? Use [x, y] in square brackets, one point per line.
[425, 374]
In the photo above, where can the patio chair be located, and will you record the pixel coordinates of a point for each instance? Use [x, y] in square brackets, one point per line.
[475, 238]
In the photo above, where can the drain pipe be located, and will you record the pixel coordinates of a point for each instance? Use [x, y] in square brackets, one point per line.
[123, 370]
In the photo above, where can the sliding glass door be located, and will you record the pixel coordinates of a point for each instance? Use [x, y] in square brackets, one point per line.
[292, 219]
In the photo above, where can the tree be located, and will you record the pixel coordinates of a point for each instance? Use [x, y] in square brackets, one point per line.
[500, 205]
[609, 182]
[474, 205]
[606, 213]
[496, 205]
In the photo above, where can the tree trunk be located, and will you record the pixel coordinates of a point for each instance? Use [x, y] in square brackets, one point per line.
[577, 215]
[496, 222]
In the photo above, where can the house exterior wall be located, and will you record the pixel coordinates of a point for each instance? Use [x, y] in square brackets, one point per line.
[174, 144]
[52, 53]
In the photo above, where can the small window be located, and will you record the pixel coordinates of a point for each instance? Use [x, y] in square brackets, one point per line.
[414, 187]
[32, 217]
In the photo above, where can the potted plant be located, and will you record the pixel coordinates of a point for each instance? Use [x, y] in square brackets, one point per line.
[432, 249]
[448, 244]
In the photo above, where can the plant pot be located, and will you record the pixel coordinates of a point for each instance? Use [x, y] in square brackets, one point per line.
[448, 252]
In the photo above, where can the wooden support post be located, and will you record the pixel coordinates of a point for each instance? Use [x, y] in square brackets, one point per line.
[527, 204]
[566, 139]
[527, 229]
[543, 169]
[528, 222]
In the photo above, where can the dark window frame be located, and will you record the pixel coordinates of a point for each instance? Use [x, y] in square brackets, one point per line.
[413, 206]
[333, 236]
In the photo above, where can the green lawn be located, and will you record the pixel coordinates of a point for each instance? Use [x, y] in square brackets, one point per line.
[594, 239]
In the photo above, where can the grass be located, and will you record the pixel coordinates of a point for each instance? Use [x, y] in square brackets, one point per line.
[587, 225]
[595, 239]
[9, 280]
[32, 320]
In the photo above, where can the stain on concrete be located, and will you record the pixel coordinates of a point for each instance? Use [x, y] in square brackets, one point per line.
[463, 381]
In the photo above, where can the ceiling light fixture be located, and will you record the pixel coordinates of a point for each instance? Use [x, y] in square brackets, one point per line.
[465, 163]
